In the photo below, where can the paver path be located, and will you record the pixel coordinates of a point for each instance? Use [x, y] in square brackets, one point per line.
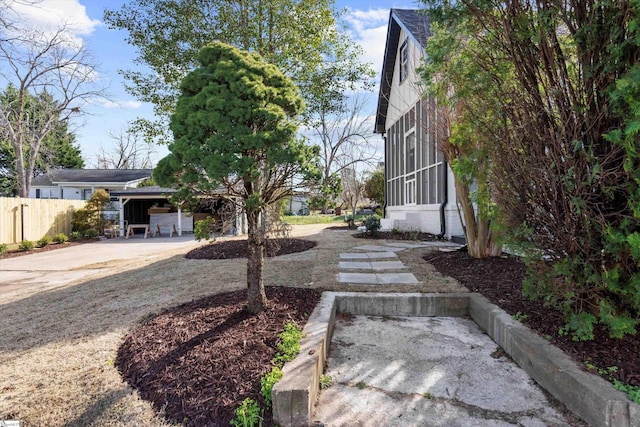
[388, 270]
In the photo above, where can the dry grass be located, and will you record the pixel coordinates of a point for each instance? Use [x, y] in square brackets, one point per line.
[57, 347]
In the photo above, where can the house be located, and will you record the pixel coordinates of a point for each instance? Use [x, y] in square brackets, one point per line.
[79, 184]
[420, 190]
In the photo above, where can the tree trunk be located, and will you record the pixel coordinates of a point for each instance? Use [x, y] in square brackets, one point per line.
[256, 297]
[478, 233]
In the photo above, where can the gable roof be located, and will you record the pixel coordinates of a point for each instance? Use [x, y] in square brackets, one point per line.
[415, 24]
[90, 176]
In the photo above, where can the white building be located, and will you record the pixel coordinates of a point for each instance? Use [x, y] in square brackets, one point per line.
[420, 190]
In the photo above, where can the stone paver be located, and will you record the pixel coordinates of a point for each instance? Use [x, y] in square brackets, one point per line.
[375, 265]
[368, 255]
[378, 248]
[377, 278]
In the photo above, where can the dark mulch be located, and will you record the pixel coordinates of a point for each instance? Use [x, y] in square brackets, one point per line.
[198, 361]
[50, 247]
[238, 248]
[500, 280]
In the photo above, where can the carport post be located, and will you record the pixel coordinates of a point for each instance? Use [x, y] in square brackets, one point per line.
[122, 215]
[179, 221]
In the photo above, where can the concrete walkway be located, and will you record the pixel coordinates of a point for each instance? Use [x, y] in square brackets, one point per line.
[37, 272]
[436, 371]
[421, 371]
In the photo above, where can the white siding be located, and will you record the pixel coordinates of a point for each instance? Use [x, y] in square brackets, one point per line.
[404, 95]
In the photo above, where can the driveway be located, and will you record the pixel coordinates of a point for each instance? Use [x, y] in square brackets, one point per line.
[26, 275]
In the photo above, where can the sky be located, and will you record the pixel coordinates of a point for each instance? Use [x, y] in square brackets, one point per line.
[367, 22]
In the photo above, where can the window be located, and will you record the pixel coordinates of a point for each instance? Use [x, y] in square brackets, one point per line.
[37, 193]
[410, 192]
[410, 152]
[404, 61]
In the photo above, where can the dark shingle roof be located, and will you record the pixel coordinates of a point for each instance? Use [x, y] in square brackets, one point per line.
[416, 24]
[91, 176]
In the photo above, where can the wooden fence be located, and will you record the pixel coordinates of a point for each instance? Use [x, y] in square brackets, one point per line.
[41, 216]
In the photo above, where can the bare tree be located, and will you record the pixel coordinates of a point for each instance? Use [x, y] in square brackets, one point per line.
[43, 65]
[344, 135]
[352, 188]
[129, 152]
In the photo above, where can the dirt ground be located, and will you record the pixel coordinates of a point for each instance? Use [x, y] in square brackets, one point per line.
[57, 348]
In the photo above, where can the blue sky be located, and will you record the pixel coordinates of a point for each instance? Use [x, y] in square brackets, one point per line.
[367, 20]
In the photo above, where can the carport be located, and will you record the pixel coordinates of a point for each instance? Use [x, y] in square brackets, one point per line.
[153, 206]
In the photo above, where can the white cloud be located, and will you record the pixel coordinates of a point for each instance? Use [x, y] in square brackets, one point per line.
[121, 104]
[369, 30]
[50, 15]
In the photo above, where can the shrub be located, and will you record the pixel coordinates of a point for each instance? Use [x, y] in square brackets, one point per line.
[3, 248]
[267, 382]
[204, 228]
[372, 223]
[60, 238]
[289, 345]
[76, 235]
[247, 414]
[46, 240]
[26, 245]
[91, 233]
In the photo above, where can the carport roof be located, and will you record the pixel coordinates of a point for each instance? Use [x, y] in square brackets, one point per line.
[145, 191]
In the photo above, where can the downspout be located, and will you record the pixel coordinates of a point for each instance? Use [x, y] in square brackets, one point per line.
[386, 163]
[445, 199]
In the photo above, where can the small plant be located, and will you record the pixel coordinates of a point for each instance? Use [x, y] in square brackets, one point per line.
[46, 240]
[204, 228]
[520, 317]
[372, 223]
[3, 248]
[289, 345]
[267, 382]
[361, 385]
[427, 395]
[325, 381]
[76, 235]
[413, 234]
[91, 233]
[247, 414]
[26, 245]
[60, 238]
[396, 230]
[632, 391]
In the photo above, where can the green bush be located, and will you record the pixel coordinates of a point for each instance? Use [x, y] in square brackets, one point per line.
[289, 345]
[267, 382]
[3, 248]
[91, 233]
[60, 238]
[372, 223]
[76, 235]
[26, 245]
[247, 414]
[46, 240]
[204, 228]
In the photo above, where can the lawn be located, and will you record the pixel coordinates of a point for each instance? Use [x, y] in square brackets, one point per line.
[317, 219]
[57, 348]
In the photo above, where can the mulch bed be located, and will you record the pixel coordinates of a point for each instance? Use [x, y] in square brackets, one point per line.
[49, 247]
[238, 248]
[499, 279]
[198, 361]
